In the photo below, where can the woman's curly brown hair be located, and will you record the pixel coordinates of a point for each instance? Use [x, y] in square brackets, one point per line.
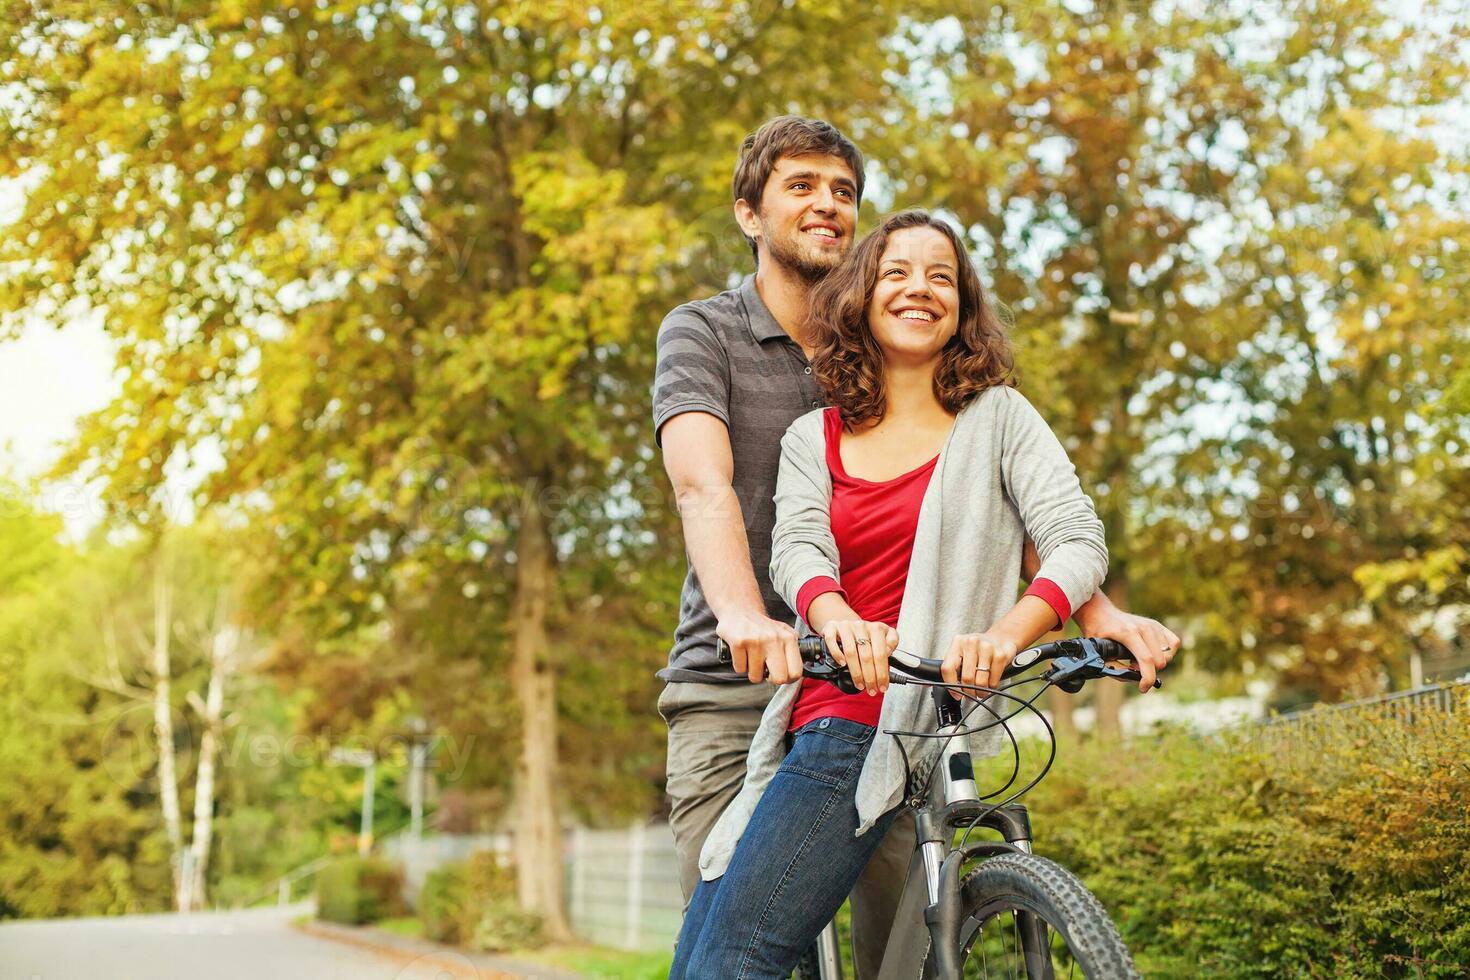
[848, 362]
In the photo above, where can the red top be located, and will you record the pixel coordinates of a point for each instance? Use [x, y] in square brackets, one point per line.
[873, 525]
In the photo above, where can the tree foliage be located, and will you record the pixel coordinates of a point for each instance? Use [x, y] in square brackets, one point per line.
[384, 279]
[1235, 257]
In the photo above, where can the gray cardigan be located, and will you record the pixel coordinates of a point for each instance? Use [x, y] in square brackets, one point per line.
[1001, 474]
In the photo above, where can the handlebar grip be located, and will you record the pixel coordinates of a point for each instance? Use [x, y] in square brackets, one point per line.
[810, 647]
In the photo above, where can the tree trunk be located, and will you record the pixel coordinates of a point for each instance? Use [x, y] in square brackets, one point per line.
[1108, 694]
[222, 664]
[1108, 699]
[1060, 704]
[538, 832]
[163, 731]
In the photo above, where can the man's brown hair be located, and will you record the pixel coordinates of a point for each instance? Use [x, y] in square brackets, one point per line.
[848, 362]
[789, 136]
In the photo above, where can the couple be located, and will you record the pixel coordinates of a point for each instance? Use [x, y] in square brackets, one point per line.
[840, 424]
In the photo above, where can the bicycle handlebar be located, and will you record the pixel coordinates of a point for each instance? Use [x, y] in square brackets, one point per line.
[1074, 662]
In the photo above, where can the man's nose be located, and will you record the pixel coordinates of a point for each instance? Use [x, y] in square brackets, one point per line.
[826, 201]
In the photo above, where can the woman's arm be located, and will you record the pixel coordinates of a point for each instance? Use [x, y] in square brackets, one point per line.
[802, 547]
[1042, 483]
[804, 559]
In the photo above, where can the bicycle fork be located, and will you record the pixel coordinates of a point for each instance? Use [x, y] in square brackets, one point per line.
[829, 956]
[942, 864]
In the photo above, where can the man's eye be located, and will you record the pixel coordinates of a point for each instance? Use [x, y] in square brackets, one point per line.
[799, 185]
[845, 192]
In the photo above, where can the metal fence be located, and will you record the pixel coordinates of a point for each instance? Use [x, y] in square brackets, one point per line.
[1404, 706]
[1395, 723]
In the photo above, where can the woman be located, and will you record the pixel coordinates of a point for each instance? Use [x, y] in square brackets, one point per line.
[900, 512]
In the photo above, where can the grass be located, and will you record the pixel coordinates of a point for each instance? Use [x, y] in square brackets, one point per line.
[591, 962]
[404, 925]
[598, 963]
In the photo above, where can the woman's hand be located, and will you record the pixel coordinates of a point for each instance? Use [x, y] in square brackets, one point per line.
[978, 659]
[863, 648]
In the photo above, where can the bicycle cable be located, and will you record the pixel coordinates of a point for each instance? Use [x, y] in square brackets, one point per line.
[973, 693]
[962, 728]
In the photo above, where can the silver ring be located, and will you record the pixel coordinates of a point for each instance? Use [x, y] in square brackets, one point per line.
[1165, 648]
[862, 643]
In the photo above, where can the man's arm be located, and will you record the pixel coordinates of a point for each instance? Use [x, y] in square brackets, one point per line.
[698, 460]
[1152, 643]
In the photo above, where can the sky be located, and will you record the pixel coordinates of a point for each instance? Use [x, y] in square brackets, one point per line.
[49, 378]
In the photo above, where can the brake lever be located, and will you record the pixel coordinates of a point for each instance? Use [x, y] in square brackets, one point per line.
[826, 668]
[1128, 674]
[1070, 673]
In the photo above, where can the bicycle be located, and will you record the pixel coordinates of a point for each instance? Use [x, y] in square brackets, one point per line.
[951, 922]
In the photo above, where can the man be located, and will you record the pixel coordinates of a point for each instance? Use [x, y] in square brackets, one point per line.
[733, 373]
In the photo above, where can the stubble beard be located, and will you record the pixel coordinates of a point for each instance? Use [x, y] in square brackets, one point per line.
[791, 254]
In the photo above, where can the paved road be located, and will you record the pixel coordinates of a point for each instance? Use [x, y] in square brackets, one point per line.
[258, 944]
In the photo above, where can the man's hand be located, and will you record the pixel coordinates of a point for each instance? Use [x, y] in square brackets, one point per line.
[1152, 643]
[760, 646]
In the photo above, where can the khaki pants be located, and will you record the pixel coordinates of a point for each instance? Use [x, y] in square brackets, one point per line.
[711, 727]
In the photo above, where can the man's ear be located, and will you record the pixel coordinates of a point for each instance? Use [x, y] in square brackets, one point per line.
[747, 219]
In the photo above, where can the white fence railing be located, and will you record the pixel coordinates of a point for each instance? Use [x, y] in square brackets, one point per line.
[622, 885]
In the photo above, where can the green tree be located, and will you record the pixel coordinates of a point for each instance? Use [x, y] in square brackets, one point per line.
[400, 268]
[1090, 149]
[1351, 280]
[1160, 193]
[79, 839]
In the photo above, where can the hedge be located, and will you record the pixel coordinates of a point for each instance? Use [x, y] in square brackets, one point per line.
[473, 903]
[1333, 847]
[354, 890]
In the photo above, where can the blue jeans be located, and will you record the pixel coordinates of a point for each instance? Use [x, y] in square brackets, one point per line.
[795, 863]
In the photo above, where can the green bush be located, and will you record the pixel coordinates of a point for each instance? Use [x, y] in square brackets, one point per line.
[441, 902]
[473, 903]
[1333, 847]
[354, 890]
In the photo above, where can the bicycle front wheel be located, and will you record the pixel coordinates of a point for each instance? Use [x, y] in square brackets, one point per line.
[1029, 918]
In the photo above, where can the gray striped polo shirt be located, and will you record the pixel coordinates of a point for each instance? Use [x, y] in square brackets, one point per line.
[728, 356]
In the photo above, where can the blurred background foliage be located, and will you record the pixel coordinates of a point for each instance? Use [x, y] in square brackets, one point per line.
[383, 280]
